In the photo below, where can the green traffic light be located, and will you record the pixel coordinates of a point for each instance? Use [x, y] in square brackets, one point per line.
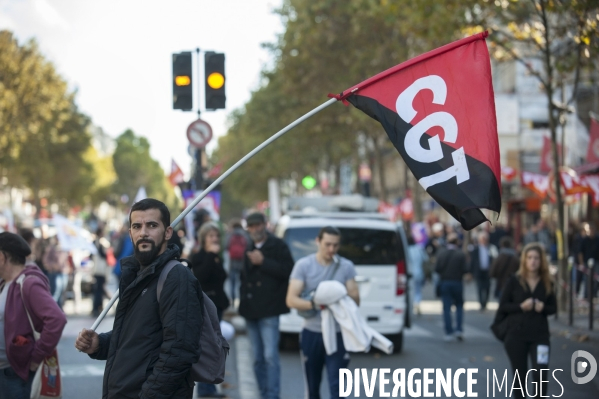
[309, 182]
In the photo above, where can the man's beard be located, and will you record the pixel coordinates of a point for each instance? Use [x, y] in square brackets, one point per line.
[146, 257]
[258, 236]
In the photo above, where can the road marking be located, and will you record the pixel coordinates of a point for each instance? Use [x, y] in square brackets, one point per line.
[417, 331]
[82, 370]
[248, 387]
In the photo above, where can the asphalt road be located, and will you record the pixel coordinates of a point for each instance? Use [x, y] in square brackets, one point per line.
[423, 348]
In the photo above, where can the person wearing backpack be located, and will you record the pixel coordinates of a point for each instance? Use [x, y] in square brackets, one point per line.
[155, 340]
[237, 245]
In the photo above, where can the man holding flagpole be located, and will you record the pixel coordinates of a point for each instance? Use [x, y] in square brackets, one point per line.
[152, 345]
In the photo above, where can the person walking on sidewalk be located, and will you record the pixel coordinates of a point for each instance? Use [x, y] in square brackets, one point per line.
[527, 300]
[264, 281]
[307, 273]
[20, 353]
[207, 267]
[237, 245]
[152, 345]
[452, 266]
[505, 265]
[481, 258]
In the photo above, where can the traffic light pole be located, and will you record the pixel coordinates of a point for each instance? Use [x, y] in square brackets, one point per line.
[199, 178]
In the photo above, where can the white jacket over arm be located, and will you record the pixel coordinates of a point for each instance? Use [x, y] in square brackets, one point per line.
[357, 335]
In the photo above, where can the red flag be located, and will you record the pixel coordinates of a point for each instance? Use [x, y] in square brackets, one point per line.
[176, 175]
[406, 209]
[547, 155]
[574, 184]
[508, 173]
[438, 109]
[593, 151]
[539, 184]
[216, 170]
[592, 181]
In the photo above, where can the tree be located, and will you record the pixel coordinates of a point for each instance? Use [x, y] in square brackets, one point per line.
[327, 46]
[43, 136]
[563, 36]
[135, 168]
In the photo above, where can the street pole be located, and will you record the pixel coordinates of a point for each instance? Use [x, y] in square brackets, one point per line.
[220, 179]
[198, 174]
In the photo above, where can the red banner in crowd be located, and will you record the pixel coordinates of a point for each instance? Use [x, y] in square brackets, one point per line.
[574, 184]
[593, 151]
[539, 184]
[547, 155]
[444, 98]
[176, 175]
[592, 182]
[508, 173]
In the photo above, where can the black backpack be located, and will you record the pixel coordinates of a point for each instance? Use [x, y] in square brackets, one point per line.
[214, 348]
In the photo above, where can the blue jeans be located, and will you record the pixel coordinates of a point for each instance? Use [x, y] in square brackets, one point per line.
[61, 280]
[452, 293]
[483, 283]
[264, 337]
[12, 386]
[234, 280]
[315, 357]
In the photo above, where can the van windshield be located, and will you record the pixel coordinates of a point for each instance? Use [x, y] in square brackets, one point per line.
[361, 246]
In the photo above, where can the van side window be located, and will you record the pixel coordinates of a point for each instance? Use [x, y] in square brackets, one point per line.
[361, 246]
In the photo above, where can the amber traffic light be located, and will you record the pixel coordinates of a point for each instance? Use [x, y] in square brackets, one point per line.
[214, 72]
[182, 87]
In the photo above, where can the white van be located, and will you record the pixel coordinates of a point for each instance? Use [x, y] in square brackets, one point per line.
[376, 246]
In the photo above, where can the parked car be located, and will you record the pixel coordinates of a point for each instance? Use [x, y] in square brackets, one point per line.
[376, 246]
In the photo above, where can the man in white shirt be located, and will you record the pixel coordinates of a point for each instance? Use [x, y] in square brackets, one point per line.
[307, 273]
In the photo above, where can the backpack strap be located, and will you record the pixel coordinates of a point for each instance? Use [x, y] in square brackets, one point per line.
[167, 268]
[20, 280]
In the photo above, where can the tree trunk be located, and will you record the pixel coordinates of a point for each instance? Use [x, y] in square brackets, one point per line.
[559, 234]
[383, 193]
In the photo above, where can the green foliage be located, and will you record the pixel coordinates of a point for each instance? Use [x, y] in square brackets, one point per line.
[43, 136]
[135, 168]
[564, 34]
[327, 47]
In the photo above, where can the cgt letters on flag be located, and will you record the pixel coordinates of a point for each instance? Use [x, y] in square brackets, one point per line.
[438, 110]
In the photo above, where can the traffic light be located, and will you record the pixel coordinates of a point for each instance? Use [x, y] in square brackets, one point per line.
[182, 87]
[214, 68]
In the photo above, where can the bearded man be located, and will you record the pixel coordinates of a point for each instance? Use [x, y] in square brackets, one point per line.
[152, 345]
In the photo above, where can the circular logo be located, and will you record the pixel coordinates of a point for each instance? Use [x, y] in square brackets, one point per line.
[579, 366]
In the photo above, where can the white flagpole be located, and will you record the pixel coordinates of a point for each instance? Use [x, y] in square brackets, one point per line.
[220, 179]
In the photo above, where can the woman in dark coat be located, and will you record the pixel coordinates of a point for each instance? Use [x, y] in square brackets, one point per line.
[528, 299]
[207, 267]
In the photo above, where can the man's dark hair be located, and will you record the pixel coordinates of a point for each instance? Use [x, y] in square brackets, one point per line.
[329, 230]
[506, 242]
[151, 203]
[27, 235]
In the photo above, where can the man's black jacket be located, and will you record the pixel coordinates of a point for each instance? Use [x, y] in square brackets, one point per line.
[451, 264]
[152, 346]
[264, 287]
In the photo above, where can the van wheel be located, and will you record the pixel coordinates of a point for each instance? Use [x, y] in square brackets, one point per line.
[397, 340]
[289, 342]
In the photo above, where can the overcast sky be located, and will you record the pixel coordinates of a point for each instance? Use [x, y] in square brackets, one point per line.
[117, 53]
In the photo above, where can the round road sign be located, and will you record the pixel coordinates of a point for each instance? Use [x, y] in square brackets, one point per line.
[199, 133]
